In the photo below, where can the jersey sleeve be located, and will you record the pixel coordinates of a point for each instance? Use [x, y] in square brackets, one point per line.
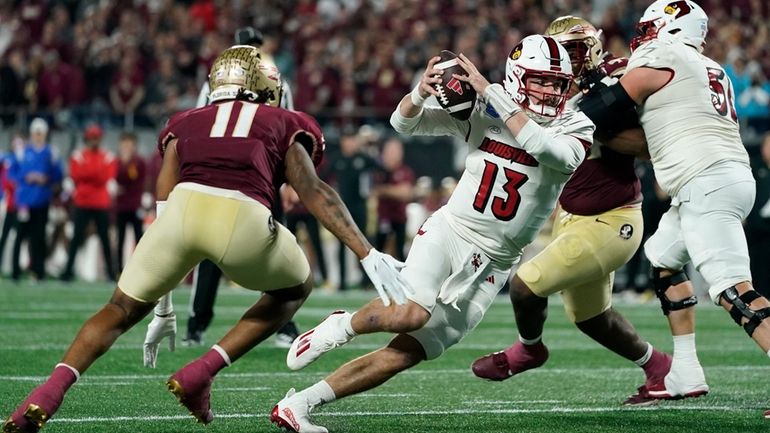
[561, 147]
[655, 54]
[306, 131]
[430, 121]
[615, 66]
[168, 133]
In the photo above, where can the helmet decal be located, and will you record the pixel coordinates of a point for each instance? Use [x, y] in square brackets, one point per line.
[680, 8]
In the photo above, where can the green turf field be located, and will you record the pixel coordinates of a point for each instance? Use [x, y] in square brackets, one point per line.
[578, 390]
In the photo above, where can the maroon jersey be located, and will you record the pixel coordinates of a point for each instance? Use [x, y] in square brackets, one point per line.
[391, 209]
[606, 179]
[240, 145]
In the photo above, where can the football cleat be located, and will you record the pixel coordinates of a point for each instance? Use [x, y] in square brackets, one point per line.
[293, 414]
[286, 335]
[312, 344]
[192, 387]
[36, 410]
[677, 383]
[767, 414]
[511, 361]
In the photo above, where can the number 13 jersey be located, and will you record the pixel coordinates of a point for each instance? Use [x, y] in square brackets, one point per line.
[690, 123]
[506, 192]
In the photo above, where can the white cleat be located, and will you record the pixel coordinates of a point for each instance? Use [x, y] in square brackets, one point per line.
[312, 344]
[683, 381]
[293, 414]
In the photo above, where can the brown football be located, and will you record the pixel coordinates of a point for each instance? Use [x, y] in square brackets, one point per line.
[454, 96]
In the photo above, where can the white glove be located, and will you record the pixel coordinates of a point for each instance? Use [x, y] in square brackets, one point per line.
[383, 270]
[159, 328]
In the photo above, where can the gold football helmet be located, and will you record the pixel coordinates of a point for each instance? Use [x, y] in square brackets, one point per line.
[241, 72]
[582, 41]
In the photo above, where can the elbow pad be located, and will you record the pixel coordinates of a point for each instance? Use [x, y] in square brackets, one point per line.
[610, 108]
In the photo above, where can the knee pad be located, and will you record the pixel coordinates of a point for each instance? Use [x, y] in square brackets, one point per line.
[661, 284]
[740, 309]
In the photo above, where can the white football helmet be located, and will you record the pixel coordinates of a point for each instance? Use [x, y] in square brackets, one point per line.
[541, 57]
[666, 19]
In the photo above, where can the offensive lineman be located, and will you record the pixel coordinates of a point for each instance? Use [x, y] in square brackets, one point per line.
[523, 147]
[685, 106]
[222, 163]
[598, 229]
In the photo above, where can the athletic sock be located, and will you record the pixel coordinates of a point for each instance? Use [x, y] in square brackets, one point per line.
[216, 359]
[320, 393]
[63, 377]
[684, 349]
[531, 342]
[641, 362]
[346, 322]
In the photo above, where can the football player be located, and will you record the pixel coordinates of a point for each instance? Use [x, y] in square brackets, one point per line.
[222, 163]
[598, 229]
[207, 275]
[523, 146]
[685, 105]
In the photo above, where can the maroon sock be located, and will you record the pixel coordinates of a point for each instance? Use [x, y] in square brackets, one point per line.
[657, 366]
[62, 378]
[213, 361]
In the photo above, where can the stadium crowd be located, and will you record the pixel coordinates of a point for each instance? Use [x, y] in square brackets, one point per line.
[126, 65]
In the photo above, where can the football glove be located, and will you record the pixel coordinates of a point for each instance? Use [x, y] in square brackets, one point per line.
[383, 271]
[159, 327]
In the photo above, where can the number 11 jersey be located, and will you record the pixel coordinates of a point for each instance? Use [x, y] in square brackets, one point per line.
[240, 145]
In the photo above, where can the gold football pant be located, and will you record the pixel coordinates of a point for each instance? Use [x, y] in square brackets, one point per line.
[581, 259]
[237, 234]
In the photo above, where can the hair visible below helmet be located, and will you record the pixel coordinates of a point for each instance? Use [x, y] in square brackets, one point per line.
[538, 57]
[665, 19]
[240, 72]
[582, 41]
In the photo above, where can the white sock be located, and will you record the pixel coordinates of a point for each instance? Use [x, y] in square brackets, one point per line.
[222, 353]
[320, 393]
[768, 353]
[684, 348]
[72, 369]
[347, 325]
[646, 357]
[532, 341]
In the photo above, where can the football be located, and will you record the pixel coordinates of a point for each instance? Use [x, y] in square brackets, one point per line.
[454, 96]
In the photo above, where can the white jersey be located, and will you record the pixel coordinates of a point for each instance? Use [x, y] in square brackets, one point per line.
[510, 184]
[690, 123]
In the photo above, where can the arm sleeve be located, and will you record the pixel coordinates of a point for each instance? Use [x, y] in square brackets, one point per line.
[561, 151]
[307, 132]
[430, 121]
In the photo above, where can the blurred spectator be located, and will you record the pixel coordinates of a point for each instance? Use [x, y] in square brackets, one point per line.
[758, 221]
[296, 214]
[754, 103]
[8, 187]
[91, 169]
[352, 176]
[127, 87]
[395, 188]
[12, 78]
[35, 172]
[128, 203]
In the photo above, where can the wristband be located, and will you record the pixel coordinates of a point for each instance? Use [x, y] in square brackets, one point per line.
[417, 99]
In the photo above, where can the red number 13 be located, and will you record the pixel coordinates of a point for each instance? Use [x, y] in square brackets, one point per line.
[503, 209]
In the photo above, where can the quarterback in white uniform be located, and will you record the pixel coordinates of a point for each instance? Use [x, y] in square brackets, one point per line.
[685, 105]
[523, 146]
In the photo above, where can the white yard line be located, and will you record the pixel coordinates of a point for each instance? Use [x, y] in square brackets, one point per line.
[413, 413]
[423, 372]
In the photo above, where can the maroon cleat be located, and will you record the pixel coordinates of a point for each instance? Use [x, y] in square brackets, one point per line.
[511, 361]
[38, 408]
[766, 414]
[192, 387]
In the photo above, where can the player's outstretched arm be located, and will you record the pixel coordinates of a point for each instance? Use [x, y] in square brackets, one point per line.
[326, 205]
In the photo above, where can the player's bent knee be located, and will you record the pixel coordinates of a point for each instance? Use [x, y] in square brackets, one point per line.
[408, 317]
[132, 310]
[740, 310]
[662, 279]
[408, 350]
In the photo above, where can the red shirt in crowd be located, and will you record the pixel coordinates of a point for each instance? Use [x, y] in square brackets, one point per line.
[391, 209]
[131, 178]
[91, 170]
